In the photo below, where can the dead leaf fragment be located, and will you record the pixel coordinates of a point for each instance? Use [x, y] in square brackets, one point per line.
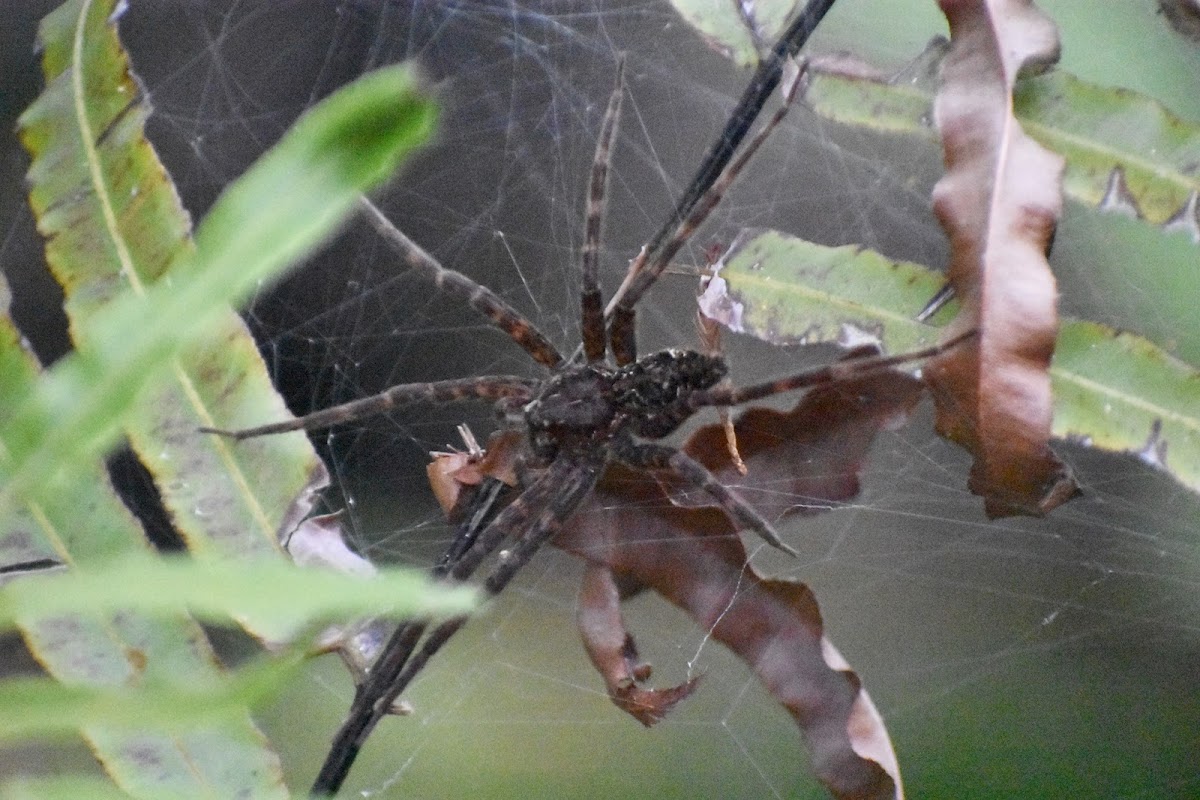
[614, 654]
[644, 528]
[450, 474]
[1183, 15]
[999, 202]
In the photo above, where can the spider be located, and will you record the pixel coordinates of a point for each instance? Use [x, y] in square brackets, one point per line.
[601, 404]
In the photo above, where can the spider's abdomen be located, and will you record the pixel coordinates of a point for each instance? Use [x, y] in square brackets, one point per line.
[652, 392]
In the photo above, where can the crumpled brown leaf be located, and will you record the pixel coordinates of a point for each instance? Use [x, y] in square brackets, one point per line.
[614, 654]
[999, 202]
[645, 530]
[451, 474]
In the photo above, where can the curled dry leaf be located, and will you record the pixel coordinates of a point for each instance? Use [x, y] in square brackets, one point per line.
[612, 650]
[999, 202]
[450, 474]
[642, 530]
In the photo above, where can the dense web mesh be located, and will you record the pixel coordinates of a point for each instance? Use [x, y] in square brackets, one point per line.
[1056, 655]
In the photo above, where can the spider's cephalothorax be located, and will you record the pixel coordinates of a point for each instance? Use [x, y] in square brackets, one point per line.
[588, 404]
[652, 392]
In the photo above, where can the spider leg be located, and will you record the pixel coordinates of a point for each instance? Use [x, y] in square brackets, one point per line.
[488, 496]
[591, 301]
[490, 387]
[657, 456]
[567, 483]
[830, 373]
[481, 298]
[541, 510]
[766, 77]
[644, 272]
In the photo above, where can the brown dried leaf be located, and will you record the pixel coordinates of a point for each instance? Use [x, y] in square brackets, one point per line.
[999, 202]
[804, 460]
[614, 654]
[452, 474]
[1184, 16]
[646, 530]
[449, 474]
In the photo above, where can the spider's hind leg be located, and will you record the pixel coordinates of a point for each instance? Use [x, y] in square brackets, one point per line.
[657, 456]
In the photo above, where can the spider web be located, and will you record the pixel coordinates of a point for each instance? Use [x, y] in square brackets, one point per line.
[1024, 657]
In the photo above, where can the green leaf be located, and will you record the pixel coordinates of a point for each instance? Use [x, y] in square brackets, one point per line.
[40, 706]
[878, 104]
[60, 787]
[1117, 391]
[1112, 390]
[114, 225]
[83, 522]
[786, 290]
[738, 30]
[160, 353]
[1100, 130]
[275, 597]
[1122, 149]
[133, 346]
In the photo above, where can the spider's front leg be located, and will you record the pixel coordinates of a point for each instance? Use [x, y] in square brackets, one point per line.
[658, 456]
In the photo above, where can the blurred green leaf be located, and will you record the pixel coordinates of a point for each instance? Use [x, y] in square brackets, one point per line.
[159, 353]
[114, 227]
[285, 205]
[61, 787]
[40, 706]
[83, 522]
[1112, 390]
[273, 596]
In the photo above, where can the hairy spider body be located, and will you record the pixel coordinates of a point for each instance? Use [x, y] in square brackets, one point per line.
[588, 411]
[587, 405]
